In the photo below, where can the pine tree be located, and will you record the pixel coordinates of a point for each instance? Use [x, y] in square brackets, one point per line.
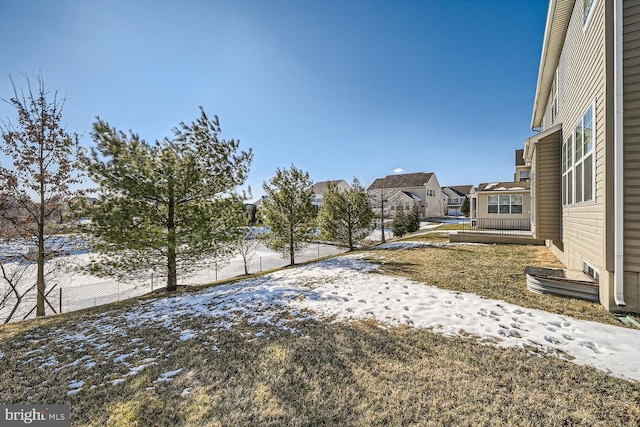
[288, 212]
[465, 208]
[34, 192]
[399, 224]
[168, 205]
[346, 216]
[413, 219]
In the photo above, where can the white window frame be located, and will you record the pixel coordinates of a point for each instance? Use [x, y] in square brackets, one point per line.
[577, 152]
[555, 105]
[588, 6]
[505, 200]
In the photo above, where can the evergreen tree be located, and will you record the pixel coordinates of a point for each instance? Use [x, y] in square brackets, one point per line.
[413, 219]
[465, 208]
[164, 206]
[34, 192]
[287, 211]
[399, 224]
[346, 216]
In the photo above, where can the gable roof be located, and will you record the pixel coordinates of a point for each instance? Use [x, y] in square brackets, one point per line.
[417, 179]
[503, 186]
[322, 186]
[460, 190]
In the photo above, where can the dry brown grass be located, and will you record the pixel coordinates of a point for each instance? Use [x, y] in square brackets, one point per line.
[328, 374]
[493, 271]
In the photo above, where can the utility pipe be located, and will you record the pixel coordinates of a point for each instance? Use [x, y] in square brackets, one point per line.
[618, 277]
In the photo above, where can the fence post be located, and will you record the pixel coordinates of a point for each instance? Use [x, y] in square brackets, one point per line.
[60, 305]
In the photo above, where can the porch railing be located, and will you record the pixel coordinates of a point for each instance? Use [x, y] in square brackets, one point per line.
[498, 226]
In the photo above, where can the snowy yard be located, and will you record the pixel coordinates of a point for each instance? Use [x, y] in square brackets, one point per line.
[77, 290]
[177, 347]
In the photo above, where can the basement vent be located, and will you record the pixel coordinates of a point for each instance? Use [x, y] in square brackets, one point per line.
[591, 271]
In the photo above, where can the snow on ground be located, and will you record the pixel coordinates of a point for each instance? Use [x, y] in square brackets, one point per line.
[347, 288]
[82, 290]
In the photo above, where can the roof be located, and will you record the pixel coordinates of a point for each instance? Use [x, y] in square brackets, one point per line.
[461, 190]
[411, 195]
[504, 186]
[322, 186]
[558, 18]
[417, 179]
[520, 157]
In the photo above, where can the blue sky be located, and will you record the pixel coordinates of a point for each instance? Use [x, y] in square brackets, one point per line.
[337, 88]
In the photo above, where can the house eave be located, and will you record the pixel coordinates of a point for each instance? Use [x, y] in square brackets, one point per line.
[558, 18]
[530, 143]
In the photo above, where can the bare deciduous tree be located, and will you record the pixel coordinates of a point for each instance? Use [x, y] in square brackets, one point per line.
[35, 189]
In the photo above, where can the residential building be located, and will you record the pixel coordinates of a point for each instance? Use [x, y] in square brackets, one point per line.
[585, 157]
[420, 188]
[523, 170]
[501, 205]
[455, 195]
[319, 188]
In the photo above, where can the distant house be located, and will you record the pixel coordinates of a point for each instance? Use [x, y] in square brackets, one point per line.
[523, 170]
[585, 156]
[319, 188]
[419, 188]
[501, 205]
[455, 195]
[258, 203]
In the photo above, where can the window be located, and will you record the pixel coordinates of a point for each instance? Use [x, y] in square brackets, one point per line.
[554, 97]
[505, 204]
[578, 162]
[524, 175]
[587, 8]
[590, 271]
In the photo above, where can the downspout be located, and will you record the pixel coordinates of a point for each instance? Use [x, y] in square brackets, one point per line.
[618, 278]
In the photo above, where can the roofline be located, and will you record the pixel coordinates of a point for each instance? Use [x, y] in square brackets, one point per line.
[530, 143]
[558, 18]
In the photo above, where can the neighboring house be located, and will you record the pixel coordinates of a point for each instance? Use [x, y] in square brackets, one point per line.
[586, 157]
[501, 205]
[455, 195]
[319, 188]
[420, 188]
[258, 203]
[523, 170]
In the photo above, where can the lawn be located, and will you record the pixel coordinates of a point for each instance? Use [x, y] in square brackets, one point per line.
[241, 359]
[493, 271]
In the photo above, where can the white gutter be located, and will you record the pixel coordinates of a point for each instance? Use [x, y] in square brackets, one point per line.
[618, 278]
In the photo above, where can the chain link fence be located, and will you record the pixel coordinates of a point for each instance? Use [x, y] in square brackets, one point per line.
[79, 295]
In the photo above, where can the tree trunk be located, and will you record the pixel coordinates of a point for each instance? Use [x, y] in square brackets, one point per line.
[291, 248]
[172, 275]
[383, 240]
[41, 254]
